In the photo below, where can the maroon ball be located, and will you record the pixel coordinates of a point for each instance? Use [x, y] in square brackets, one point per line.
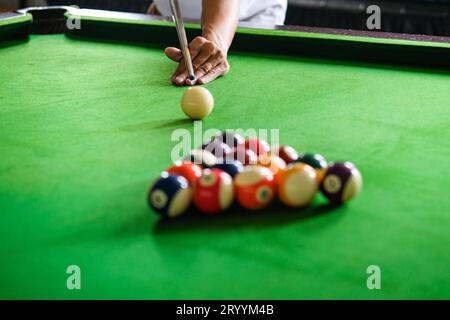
[287, 153]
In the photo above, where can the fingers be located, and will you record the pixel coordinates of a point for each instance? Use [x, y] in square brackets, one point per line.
[173, 54]
[180, 75]
[219, 70]
[200, 51]
[204, 54]
[197, 45]
[208, 61]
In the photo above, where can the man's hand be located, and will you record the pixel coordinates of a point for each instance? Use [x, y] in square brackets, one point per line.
[208, 59]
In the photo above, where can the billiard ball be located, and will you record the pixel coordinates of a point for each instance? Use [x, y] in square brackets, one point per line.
[245, 156]
[230, 166]
[170, 196]
[232, 139]
[258, 146]
[186, 169]
[214, 191]
[273, 162]
[342, 182]
[297, 185]
[219, 149]
[287, 153]
[202, 158]
[316, 161]
[197, 103]
[255, 187]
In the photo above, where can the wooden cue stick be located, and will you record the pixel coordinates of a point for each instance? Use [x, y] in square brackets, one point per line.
[179, 24]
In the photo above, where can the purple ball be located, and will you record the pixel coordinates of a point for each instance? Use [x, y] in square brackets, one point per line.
[233, 140]
[218, 149]
[342, 181]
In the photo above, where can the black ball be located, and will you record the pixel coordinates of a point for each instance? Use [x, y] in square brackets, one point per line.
[170, 195]
[230, 166]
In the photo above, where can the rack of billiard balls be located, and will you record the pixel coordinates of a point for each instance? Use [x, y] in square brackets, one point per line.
[230, 168]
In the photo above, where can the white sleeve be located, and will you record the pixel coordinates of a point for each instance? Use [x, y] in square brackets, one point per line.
[257, 11]
[191, 9]
[264, 12]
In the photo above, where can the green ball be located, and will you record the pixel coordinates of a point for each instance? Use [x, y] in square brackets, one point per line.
[315, 160]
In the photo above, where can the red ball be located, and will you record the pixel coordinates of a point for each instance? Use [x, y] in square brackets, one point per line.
[214, 191]
[186, 169]
[255, 187]
[258, 146]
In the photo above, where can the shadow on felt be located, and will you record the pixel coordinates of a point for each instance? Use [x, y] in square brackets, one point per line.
[237, 217]
[157, 125]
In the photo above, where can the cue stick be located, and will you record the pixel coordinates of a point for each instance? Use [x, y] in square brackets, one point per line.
[179, 24]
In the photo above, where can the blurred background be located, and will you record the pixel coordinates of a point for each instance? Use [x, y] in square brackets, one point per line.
[430, 17]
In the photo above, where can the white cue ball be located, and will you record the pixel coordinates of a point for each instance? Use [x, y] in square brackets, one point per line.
[197, 103]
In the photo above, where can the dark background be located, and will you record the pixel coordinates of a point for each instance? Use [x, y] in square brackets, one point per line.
[430, 17]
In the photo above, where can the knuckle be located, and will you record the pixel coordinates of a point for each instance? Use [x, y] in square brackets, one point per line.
[210, 46]
[205, 68]
[199, 40]
[221, 55]
[209, 66]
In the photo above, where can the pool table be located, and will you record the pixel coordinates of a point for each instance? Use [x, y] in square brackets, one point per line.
[86, 120]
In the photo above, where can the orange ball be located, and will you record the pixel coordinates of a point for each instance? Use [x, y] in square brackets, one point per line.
[272, 162]
[255, 187]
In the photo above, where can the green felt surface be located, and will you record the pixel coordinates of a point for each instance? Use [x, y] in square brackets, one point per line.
[85, 126]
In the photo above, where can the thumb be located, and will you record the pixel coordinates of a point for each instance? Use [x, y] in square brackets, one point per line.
[173, 54]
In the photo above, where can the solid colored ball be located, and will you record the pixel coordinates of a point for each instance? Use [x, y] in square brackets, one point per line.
[170, 196]
[273, 162]
[245, 156]
[230, 166]
[202, 158]
[342, 182]
[317, 161]
[258, 146]
[214, 191]
[219, 149]
[287, 153]
[230, 138]
[197, 103]
[186, 169]
[297, 185]
[255, 187]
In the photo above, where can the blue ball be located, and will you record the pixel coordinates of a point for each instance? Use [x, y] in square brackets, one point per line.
[170, 196]
[230, 166]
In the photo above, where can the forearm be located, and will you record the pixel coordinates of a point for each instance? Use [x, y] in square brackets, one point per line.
[219, 21]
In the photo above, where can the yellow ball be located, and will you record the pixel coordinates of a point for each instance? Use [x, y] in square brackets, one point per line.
[297, 185]
[197, 103]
